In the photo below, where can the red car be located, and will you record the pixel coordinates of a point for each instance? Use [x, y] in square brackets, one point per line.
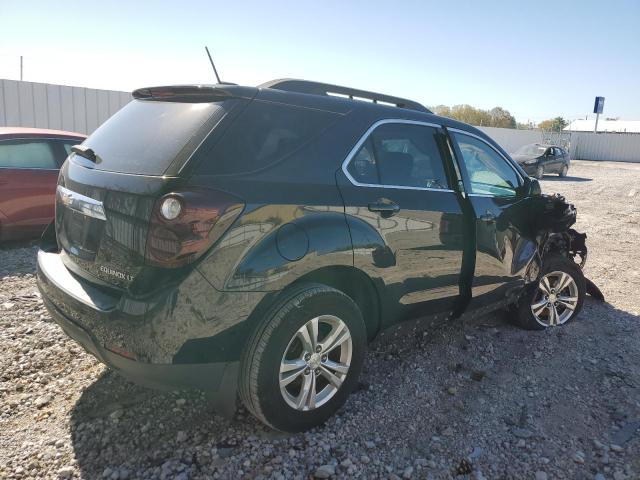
[30, 159]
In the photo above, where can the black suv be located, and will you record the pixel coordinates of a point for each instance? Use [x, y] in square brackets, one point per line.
[253, 240]
[537, 159]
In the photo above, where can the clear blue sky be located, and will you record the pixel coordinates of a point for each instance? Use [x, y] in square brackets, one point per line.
[538, 59]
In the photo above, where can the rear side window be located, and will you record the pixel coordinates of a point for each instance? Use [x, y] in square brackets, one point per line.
[63, 148]
[400, 154]
[67, 146]
[146, 137]
[27, 154]
[265, 133]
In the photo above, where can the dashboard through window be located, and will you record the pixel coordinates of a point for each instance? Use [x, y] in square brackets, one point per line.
[489, 173]
[400, 154]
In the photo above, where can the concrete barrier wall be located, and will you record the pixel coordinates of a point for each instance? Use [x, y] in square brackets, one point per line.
[511, 139]
[43, 105]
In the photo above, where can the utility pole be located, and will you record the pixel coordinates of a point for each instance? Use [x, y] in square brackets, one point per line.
[20, 67]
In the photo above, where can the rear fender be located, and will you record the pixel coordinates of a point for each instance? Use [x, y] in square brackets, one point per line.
[273, 251]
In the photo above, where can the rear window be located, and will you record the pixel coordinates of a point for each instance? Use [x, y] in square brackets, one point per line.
[265, 133]
[146, 137]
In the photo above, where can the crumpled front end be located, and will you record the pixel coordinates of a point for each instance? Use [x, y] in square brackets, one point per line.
[551, 218]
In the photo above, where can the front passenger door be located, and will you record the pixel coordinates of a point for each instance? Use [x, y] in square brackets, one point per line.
[558, 160]
[549, 161]
[492, 184]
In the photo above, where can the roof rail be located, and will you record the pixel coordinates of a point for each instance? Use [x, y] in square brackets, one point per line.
[317, 88]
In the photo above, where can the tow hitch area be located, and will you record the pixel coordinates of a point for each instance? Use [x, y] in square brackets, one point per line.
[554, 217]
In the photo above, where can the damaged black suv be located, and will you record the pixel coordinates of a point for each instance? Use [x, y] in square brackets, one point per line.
[252, 241]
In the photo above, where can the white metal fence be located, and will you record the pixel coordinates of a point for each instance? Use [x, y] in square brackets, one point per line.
[620, 147]
[43, 105]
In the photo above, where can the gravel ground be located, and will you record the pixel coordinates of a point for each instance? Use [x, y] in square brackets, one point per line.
[481, 397]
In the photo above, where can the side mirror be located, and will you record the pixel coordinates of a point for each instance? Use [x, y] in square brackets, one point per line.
[531, 187]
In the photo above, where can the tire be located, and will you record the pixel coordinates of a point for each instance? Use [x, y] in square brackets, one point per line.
[534, 298]
[277, 340]
[563, 172]
[539, 172]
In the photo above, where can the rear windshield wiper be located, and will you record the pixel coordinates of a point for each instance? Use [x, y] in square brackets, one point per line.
[85, 152]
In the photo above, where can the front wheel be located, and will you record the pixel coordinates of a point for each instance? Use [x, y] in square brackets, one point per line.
[304, 359]
[563, 172]
[556, 299]
[539, 172]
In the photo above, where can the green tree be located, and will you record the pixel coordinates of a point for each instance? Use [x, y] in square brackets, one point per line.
[553, 124]
[442, 110]
[496, 117]
[502, 118]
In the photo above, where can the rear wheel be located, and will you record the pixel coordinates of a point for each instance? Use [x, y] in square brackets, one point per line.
[557, 298]
[304, 359]
[539, 172]
[563, 172]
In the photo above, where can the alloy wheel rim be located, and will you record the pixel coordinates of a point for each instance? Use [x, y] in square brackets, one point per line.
[555, 300]
[315, 363]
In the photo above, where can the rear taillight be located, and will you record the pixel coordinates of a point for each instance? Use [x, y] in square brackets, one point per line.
[185, 224]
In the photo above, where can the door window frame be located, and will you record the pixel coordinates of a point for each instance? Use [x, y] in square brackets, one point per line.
[463, 167]
[366, 135]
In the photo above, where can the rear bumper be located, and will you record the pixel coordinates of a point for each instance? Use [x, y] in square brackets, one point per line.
[204, 376]
[187, 336]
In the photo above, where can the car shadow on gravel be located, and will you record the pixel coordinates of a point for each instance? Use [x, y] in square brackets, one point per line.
[568, 178]
[117, 425]
[17, 258]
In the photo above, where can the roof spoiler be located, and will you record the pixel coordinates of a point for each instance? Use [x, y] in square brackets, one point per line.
[193, 93]
[317, 88]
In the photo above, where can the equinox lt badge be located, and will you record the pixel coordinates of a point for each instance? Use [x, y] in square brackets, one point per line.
[116, 273]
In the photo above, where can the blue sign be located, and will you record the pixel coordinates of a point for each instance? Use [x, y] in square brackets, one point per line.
[599, 105]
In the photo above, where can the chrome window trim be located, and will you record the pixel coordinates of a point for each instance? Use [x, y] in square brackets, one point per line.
[488, 195]
[364, 138]
[31, 168]
[57, 139]
[464, 132]
[81, 203]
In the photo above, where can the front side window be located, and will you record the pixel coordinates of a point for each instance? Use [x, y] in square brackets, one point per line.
[489, 173]
[400, 154]
[27, 154]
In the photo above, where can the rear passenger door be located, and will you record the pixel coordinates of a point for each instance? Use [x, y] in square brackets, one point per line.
[405, 220]
[28, 177]
[493, 186]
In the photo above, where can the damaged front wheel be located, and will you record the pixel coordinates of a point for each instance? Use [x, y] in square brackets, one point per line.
[557, 298]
